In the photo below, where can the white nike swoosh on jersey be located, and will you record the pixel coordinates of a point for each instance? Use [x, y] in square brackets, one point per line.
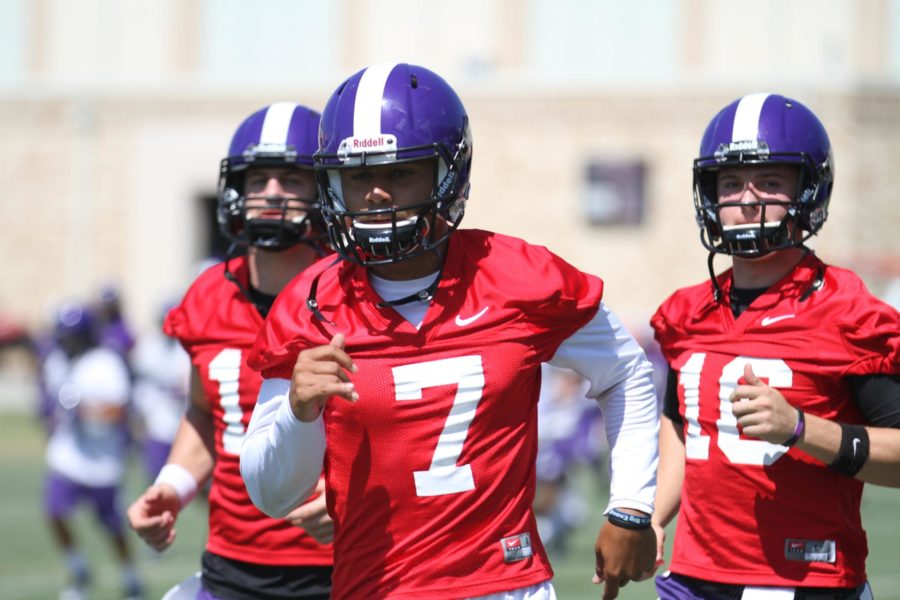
[769, 320]
[855, 444]
[463, 322]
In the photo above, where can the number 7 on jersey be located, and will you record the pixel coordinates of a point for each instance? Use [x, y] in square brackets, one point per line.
[444, 476]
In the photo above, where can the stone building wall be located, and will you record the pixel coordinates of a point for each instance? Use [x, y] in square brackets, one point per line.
[108, 187]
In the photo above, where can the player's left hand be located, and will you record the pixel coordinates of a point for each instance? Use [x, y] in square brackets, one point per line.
[761, 411]
[313, 517]
[622, 555]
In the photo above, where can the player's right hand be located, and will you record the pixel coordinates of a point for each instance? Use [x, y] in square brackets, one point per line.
[153, 516]
[313, 516]
[320, 373]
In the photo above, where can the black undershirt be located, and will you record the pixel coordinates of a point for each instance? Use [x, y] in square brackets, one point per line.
[742, 298]
[262, 301]
[878, 396]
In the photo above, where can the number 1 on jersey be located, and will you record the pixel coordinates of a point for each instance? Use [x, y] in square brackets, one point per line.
[737, 450]
[225, 368]
[444, 476]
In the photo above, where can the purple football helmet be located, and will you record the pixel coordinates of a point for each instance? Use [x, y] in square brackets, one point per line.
[282, 134]
[74, 328]
[389, 114]
[764, 129]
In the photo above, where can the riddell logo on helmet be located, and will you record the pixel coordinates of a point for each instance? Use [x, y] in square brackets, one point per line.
[378, 143]
[368, 142]
[758, 147]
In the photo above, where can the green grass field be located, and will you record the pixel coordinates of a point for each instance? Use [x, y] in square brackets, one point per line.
[32, 569]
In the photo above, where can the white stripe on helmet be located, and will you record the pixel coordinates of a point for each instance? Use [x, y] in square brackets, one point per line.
[746, 118]
[276, 124]
[369, 94]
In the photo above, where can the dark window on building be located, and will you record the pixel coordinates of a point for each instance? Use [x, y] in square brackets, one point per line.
[614, 193]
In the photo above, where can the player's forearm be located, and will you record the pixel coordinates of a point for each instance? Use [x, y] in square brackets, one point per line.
[883, 465]
[822, 440]
[632, 424]
[670, 475]
[621, 379]
[281, 457]
[192, 448]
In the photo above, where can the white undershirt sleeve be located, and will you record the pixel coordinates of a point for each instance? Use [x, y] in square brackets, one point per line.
[281, 457]
[621, 381]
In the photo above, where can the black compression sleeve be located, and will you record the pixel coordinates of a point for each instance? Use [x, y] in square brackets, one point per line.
[878, 397]
[670, 402]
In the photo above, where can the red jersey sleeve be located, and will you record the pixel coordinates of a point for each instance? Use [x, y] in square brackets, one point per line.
[869, 329]
[552, 288]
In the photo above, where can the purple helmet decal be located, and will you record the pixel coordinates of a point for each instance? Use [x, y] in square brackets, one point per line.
[764, 129]
[282, 134]
[389, 114]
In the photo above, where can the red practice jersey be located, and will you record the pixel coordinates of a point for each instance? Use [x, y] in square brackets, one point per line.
[753, 512]
[430, 475]
[217, 326]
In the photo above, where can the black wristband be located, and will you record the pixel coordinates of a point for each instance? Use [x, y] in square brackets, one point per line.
[854, 451]
[627, 520]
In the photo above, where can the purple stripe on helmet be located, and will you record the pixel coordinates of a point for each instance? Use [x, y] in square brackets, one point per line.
[393, 118]
[344, 124]
[303, 134]
[301, 128]
[724, 121]
[773, 126]
[247, 134]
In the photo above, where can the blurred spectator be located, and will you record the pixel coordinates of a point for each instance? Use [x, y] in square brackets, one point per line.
[569, 434]
[162, 373]
[12, 333]
[90, 386]
[112, 329]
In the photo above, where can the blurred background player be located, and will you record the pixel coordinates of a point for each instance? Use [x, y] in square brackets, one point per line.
[783, 393]
[112, 329]
[162, 372]
[86, 452]
[569, 436]
[268, 206]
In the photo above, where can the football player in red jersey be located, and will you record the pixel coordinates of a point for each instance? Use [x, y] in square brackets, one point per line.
[783, 392]
[267, 203]
[418, 355]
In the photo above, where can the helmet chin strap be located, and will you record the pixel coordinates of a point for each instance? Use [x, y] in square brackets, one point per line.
[716, 290]
[423, 295]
